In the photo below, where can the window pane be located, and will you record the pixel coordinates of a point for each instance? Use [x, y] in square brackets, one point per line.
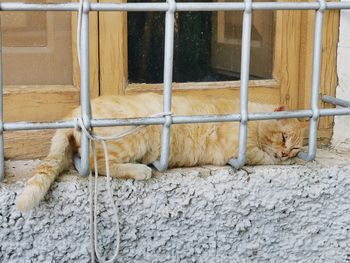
[37, 48]
[207, 46]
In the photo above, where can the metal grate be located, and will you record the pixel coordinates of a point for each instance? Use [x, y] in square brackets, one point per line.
[170, 7]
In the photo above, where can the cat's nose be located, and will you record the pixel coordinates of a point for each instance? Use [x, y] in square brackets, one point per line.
[285, 153]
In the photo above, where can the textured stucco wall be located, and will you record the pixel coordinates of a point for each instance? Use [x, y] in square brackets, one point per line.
[264, 214]
[341, 135]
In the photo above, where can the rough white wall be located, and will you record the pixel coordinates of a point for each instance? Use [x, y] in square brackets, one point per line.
[268, 214]
[341, 136]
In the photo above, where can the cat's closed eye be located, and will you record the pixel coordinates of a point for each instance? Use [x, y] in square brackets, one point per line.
[284, 137]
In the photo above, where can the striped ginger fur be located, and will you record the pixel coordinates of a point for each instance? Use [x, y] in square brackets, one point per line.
[268, 142]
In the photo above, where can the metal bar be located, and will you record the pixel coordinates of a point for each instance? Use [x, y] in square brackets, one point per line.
[19, 6]
[316, 68]
[2, 154]
[338, 5]
[163, 7]
[20, 126]
[133, 7]
[335, 101]
[259, 6]
[245, 62]
[334, 112]
[239, 6]
[82, 164]
[162, 164]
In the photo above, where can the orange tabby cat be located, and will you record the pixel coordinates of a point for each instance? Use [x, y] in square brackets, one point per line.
[269, 142]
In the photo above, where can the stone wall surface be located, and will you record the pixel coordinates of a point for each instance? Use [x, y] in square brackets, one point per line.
[298, 213]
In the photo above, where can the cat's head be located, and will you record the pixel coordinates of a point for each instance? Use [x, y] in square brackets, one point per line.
[281, 139]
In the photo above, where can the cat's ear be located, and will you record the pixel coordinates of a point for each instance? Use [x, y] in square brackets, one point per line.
[281, 108]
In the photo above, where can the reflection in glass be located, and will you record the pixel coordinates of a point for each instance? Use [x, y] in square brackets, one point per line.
[207, 46]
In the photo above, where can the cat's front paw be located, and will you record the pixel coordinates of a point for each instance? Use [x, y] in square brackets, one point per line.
[142, 172]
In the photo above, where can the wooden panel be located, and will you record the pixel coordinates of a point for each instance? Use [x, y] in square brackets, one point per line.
[139, 87]
[289, 36]
[113, 51]
[328, 81]
[94, 53]
[27, 144]
[305, 69]
[38, 103]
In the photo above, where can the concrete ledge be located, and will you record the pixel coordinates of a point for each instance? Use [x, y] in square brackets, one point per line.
[299, 213]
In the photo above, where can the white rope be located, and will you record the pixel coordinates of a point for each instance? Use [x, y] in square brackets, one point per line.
[78, 122]
[93, 196]
[114, 206]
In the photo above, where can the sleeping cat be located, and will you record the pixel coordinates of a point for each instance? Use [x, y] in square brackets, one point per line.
[269, 142]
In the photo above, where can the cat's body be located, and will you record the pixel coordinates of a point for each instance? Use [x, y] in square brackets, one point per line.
[269, 142]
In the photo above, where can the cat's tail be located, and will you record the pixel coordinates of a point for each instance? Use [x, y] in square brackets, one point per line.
[58, 160]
